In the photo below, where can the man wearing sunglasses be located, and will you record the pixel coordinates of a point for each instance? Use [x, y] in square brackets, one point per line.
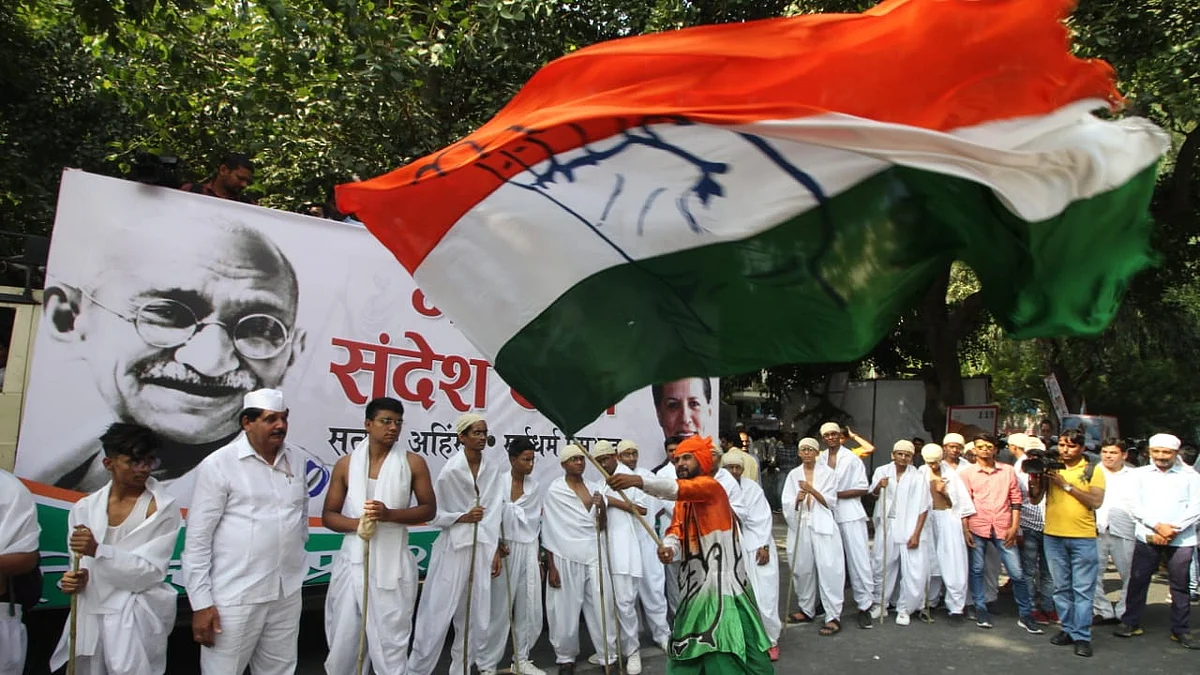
[174, 342]
[1072, 494]
[125, 534]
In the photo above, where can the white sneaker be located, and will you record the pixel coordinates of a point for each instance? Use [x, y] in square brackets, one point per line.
[876, 612]
[664, 646]
[902, 619]
[598, 660]
[633, 665]
[527, 668]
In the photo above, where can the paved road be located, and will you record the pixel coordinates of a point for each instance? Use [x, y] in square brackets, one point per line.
[916, 649]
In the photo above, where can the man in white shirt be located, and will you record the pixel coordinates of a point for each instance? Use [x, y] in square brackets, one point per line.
[762, 562]
[125, 533]
[517, 591]
[370, 497]
[19, 534]
[663, 519]
[573, 514]
[1165, 509]
[470, 506]
[623, 561]
[1115, 526]
[950, 505]
[243, 560]
[652, 585]
[901, 513]
[851, 517]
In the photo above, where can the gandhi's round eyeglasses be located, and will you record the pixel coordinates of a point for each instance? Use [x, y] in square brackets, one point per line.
[166, 324]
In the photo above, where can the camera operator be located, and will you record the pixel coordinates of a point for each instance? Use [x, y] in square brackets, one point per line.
[1073, 490]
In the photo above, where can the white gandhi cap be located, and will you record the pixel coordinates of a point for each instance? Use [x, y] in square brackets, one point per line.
[1167, 441]
[264, 399]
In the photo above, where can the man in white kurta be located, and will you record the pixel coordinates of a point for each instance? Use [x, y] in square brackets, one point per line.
[1115, 526]
[759, 544]
[517, 592]
[652, 585]
[369, 499]
[19, 534]
[900, 514]
[851, 518]
[814, 544]
[623, 561]
[244, 560]
[470, 500]
[663, 520]
[125, 534]
[950, 504]
[573, 518]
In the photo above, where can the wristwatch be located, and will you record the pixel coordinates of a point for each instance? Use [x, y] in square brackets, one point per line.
[1068, 488]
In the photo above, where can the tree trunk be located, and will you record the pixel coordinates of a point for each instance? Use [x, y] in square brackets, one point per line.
[943, 386]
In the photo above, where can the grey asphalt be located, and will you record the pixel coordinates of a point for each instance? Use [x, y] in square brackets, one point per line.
[914, 650]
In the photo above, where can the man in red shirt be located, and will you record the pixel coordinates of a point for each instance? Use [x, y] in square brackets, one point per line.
[997, 497]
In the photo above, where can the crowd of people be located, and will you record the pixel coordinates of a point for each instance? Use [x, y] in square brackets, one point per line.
[681, 555]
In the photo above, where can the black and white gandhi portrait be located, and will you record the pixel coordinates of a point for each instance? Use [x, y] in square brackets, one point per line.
[174, 328]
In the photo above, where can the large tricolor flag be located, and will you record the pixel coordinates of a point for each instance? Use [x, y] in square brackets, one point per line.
[725, 198]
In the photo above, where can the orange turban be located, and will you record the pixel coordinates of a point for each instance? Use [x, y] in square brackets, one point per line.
[699, 447]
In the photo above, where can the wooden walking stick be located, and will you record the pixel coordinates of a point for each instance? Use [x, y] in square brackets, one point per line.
[883, 586]
[787, 607]
[470, 587]
[616, 610]
[71, 657]
[640, 518]
[366, 531]
[603, 611]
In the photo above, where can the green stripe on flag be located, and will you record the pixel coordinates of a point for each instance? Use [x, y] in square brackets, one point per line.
[826, 286]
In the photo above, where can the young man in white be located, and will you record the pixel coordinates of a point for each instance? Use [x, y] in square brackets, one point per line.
[125, 533]
[573, 522]
[244, 559]
[900, 514]
[625, 559]
[762, 563]
[1115, 526]
[19, 532]
[517, 591]
[851, 517]
[814, 544]
[470, 500]
[652, 586]
[370, 500]
[950, 505]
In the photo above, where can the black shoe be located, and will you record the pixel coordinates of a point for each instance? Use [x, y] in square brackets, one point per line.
[1062, 639]
[864, 619]
[1186, 640]
[1127, 631]
[1083, 648]
[956, 619]
[566, 669]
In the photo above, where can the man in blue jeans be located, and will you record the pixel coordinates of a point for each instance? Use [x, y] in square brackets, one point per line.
[1072, 496]
[997, 498]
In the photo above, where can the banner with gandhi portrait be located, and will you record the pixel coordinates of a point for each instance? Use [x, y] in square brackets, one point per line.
[164, 308]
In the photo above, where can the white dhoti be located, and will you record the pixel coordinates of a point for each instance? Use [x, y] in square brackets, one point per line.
[389, 618]
[910, 567]
[818, 564]
[578, 592]
[652, 591]
[858, 561]
[624, 597]
[764, 579]
[950, 554]
[1121, 551]
[13, 641]
[444, 601]
[523, 576]
[262, 636]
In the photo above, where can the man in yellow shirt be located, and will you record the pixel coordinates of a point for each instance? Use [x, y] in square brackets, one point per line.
[1072, 496]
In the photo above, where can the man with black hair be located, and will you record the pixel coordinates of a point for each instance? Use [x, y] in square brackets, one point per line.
[243, 558]
[375, 483]
[234, 174]
[125, 534]
[1072, 496]
[19, 532]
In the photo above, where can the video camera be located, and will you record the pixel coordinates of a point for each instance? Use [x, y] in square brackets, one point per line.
[154, 168]
[1040, 460]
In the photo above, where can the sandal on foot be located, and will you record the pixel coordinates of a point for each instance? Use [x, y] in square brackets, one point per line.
[799, 617]
[832, 628]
